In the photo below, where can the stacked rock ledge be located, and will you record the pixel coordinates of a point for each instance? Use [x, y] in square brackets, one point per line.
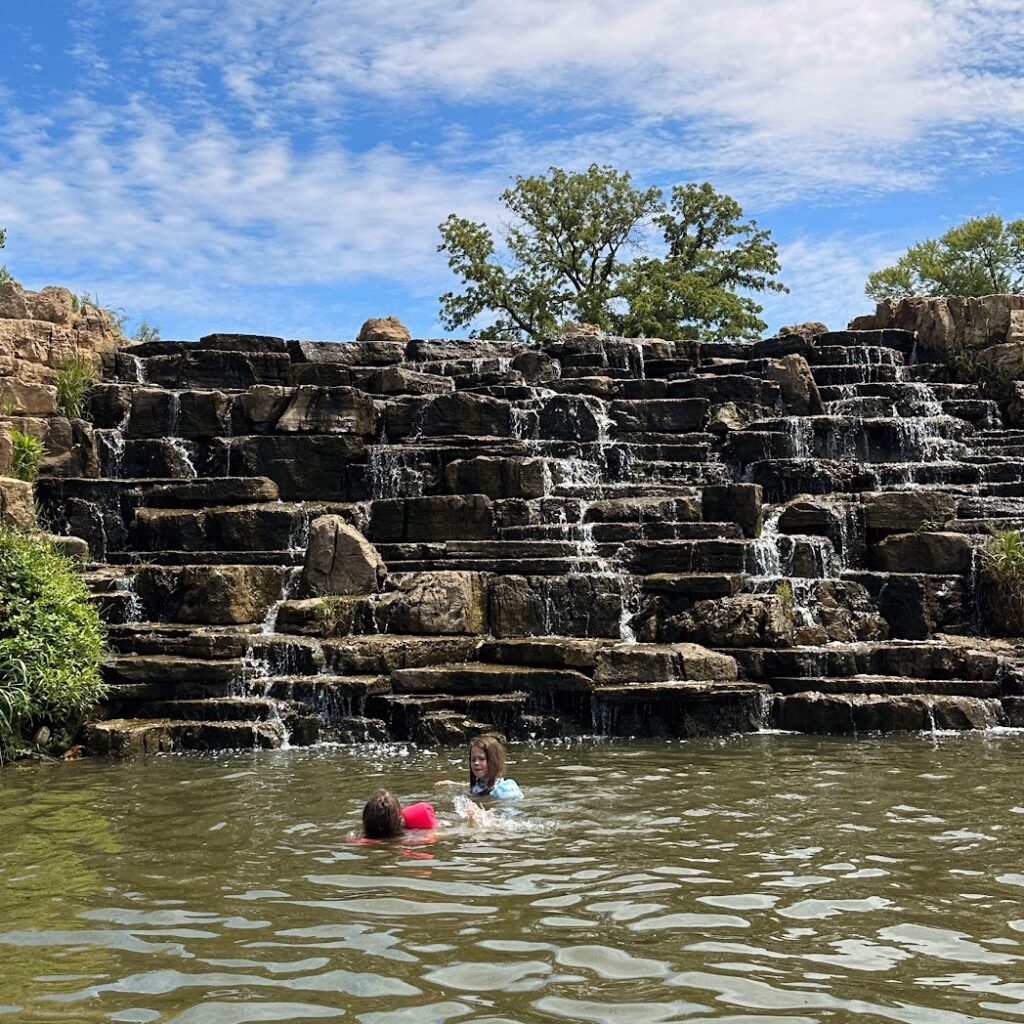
[426, 539]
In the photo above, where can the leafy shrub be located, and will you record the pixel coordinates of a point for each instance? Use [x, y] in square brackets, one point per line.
[76, 377]
[51, 641]
[26, 454]
[145, 332]
[1001, 580]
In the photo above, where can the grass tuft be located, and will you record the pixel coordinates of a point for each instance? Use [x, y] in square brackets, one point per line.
[26, 454]
[1002, 582]
[76, 377]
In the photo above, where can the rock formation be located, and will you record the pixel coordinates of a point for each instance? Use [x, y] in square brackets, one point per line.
[424, 539]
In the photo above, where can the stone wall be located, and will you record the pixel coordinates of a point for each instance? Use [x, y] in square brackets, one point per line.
[39, 332]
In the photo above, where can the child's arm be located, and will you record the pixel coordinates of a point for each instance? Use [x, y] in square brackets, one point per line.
[448, 782]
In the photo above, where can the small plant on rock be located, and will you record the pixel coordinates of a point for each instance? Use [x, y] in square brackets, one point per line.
[26, 454]
[51, 642]
[784, 592]
[1001, 582]
[146, 332]
[76, 377]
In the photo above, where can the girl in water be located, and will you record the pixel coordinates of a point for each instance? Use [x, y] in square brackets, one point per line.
[487, 771]
[384, 817]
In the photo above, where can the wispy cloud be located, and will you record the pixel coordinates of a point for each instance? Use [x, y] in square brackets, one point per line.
[219, 152]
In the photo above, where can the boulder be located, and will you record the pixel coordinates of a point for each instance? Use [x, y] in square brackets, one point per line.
[383, 328]
[734, 503]
[574, 606]
[340, 560]
[431, 603]
[1005, 360]
[16, 504]
[746, 620]
[800, 395]
[435, 517]
[653, 663]
[315, 410]
[947, 554]
[906, 511]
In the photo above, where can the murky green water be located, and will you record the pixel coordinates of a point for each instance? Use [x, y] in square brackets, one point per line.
[768, 878]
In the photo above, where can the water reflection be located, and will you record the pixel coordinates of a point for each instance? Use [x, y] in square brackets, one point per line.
[769, 878]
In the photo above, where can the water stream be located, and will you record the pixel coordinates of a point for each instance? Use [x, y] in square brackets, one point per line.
[770, 878]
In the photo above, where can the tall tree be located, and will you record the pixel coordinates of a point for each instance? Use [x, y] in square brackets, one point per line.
[564, 258]
[982, 256]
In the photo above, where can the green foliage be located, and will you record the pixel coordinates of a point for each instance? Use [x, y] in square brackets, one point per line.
[1002, 582]
[76, 377]
[4, 273]
[565, 245]
[982, 256]
[26, 454]
[51, 641]
[784, 591]
[144, 332]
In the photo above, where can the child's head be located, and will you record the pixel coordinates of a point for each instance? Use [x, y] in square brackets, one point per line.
[382, 816]
[486, 760]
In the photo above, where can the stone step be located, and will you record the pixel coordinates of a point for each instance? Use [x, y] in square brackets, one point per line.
[478, 678]
[382, 654]
[907, 660]
[126, 738]
[847, 713]
[170, 670]
[223, 709]
[236, 556]
[262, 527]
[678, 709]
[612, 663]
[896, 391]
[577, 564]
[180, 640]
[416, 718]
[689, 556]
[618, 533]
[858, 374]
[866, 355]
[888, 686]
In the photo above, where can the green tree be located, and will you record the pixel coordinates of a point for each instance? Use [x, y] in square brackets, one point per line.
[982, 256]
[565, 260]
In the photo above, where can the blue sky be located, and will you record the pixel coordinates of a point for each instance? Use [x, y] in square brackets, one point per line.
[281, 166]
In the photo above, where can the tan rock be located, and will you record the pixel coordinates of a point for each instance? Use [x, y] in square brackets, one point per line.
[340, 560]
[16, 504]
[53, 304]
[383, 328]
[1005, 360]
[13, 304]
[436, 603]
[799, 392]
[21, 399]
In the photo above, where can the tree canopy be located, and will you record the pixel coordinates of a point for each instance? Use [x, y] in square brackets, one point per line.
[982, 256]
[563, 258]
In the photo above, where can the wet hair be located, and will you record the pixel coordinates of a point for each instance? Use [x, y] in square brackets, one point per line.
[382, 816]
[494, 751]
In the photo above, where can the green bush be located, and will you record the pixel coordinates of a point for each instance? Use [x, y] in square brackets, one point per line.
[1001, 580]
[51, 641]
[76, 377]
[26, 454]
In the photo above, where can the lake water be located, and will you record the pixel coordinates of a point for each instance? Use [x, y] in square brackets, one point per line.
[763, 878]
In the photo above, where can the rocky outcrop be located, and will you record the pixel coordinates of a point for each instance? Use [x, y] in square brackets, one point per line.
[424, 539]
[942, 325]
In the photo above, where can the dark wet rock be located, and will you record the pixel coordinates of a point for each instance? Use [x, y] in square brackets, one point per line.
[747, 620]
[939, 553]
[435, 603]
[906, 511]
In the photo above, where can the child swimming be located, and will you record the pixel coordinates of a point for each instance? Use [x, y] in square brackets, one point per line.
[487, 770]
[384, 817]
